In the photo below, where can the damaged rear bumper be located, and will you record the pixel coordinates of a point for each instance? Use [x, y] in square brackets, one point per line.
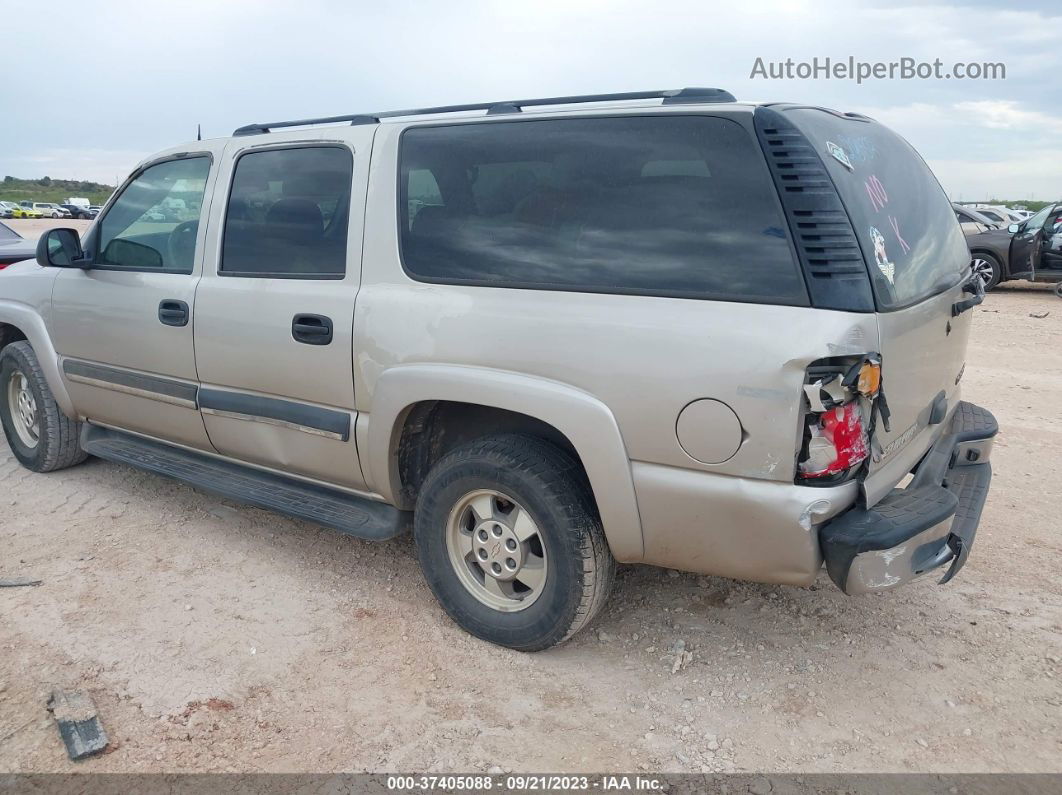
[921, 528]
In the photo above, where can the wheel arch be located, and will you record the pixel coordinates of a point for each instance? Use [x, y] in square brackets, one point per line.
[19, 322]
[1004, 263]
[409, 399]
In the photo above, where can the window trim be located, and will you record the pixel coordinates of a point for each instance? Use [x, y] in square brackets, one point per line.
[279, 147]
[803, 300]
[97, 227]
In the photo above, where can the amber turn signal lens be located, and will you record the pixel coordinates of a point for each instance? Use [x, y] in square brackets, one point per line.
[869, 380]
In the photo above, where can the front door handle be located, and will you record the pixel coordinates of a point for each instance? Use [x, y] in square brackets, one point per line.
[312, 329]
[173, 313]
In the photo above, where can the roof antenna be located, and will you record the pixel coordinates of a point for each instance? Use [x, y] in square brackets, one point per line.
[199, 132]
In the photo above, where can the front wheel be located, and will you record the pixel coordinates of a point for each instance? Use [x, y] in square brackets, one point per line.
[42, 438]
[510, 543]
[986, 268]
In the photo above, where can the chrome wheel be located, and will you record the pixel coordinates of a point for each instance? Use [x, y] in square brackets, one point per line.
[983, 270]
[496, 549]
[23, 407]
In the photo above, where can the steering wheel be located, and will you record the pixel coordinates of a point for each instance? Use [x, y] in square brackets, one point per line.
[182, 244]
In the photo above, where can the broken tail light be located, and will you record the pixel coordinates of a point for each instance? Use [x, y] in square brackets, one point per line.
[840, 395]
[837, 442]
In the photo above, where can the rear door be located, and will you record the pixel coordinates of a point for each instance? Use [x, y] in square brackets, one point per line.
[275, 309]
[918, 262]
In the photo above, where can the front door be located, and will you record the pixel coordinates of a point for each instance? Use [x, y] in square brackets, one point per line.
[123, 326]
[1051, 252]
[275, 308]
[1027, 244]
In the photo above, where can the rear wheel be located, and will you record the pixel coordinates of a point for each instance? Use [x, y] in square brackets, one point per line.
[510, 543]
[987, 268]
[42, 438]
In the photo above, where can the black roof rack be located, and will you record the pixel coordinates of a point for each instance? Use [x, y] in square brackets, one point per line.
[675, 96]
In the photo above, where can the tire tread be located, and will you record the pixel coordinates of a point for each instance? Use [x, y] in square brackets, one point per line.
[60, 435]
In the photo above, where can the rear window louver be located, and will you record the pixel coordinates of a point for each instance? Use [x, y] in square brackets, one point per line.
[826, 244]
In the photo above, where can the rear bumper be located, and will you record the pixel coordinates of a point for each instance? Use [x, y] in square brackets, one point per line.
[921, 528]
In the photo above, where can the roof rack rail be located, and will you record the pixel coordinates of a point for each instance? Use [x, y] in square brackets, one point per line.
[675, 96]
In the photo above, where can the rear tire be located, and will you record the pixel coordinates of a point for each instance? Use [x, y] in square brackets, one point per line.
[988, 268]
[531, 504]
[42, 438]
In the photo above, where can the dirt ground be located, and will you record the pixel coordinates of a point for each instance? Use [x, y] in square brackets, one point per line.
[215, 637]
[32, 228]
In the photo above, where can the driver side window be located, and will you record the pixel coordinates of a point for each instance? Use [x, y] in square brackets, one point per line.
[153, 224]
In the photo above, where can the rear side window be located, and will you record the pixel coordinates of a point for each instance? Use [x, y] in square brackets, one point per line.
[657, 205]
[903, 219]
[288, 214]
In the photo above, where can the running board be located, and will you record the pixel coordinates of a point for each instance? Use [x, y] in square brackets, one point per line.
[335, 509]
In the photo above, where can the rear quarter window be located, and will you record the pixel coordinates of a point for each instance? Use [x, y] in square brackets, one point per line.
[668, 205]
[905, 224]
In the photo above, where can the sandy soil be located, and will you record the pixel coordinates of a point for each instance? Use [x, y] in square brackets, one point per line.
[222, 638]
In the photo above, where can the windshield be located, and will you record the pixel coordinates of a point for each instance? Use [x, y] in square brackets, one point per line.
[905, 223]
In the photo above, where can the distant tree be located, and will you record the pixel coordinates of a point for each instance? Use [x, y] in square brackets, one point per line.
[46, 181]
[9, 179]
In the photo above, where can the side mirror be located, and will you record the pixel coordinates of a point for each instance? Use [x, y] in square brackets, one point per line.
[60, 248]
[1013, 228]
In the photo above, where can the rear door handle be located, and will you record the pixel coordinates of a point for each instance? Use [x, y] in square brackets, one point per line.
[312, 329]
[173, 313]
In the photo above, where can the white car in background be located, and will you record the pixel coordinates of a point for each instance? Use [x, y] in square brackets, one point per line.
[998, 214]
[48, 209]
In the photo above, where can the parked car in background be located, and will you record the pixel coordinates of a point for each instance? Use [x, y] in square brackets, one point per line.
[14, 247]
[19, 211]
[989, 244]
[47, 209]
[5, 211]
[971, 221]
[1036, 248]
[997, 214]
[77, 211]
[1031, 249]
[95, 209]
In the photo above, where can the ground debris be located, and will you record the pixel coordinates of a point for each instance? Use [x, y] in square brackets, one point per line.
[79, 725]
[18, 582]
[1040, 315]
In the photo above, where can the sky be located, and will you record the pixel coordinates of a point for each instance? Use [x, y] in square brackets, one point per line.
[93, 88]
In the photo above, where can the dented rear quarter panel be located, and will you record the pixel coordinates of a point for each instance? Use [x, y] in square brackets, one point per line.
[645, 359]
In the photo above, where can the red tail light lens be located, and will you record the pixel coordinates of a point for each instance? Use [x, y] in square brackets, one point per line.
[838, 442]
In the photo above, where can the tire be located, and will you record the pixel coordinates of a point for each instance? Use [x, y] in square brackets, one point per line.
[534, 480]
[1057, 289]
[989, 267]
[56, 440]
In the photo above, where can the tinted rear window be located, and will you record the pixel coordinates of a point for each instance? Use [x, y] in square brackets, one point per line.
[657, 205]
[905, 223]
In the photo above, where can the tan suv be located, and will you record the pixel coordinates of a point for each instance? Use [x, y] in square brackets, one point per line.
[549, 335]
